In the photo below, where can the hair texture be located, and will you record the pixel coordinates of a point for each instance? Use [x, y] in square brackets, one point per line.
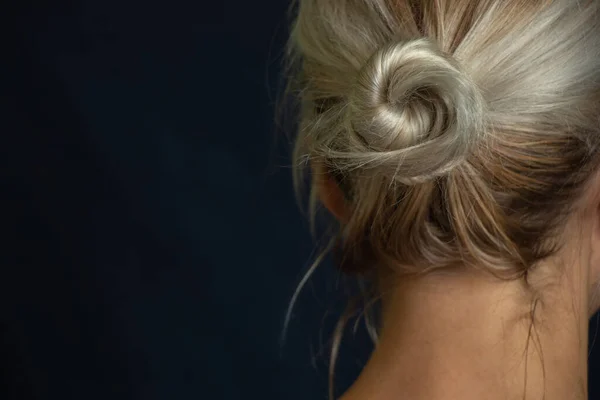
[461, 132]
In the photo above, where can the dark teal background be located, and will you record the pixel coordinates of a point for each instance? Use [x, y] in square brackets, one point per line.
[151, 237]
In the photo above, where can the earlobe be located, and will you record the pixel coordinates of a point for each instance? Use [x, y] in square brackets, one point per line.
[330, 193]
[594, 261]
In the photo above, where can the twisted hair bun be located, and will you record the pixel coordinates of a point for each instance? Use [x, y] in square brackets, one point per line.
[414, 110]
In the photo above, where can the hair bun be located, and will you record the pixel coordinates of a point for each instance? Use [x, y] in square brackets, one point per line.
[414, 107]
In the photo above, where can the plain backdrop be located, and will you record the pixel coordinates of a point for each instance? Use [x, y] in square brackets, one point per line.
[151, 237]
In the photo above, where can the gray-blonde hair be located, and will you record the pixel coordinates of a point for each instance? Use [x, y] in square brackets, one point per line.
[461, 131]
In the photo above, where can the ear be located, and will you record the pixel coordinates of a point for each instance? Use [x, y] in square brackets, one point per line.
[591, 216]
[330, 193]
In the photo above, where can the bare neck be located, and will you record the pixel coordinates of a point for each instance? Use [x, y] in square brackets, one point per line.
[472, 338]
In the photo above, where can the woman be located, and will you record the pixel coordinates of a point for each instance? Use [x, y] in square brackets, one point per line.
[456, 143]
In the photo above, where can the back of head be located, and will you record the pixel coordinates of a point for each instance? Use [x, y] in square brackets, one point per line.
[461, 131]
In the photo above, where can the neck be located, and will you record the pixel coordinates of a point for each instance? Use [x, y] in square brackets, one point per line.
[471, 337]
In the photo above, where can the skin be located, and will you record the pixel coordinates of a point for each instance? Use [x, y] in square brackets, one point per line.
[463, 335]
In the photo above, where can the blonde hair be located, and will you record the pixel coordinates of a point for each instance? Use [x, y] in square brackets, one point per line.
[460, 131]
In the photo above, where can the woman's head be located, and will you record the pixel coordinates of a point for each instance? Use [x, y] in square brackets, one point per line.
[457, 133]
